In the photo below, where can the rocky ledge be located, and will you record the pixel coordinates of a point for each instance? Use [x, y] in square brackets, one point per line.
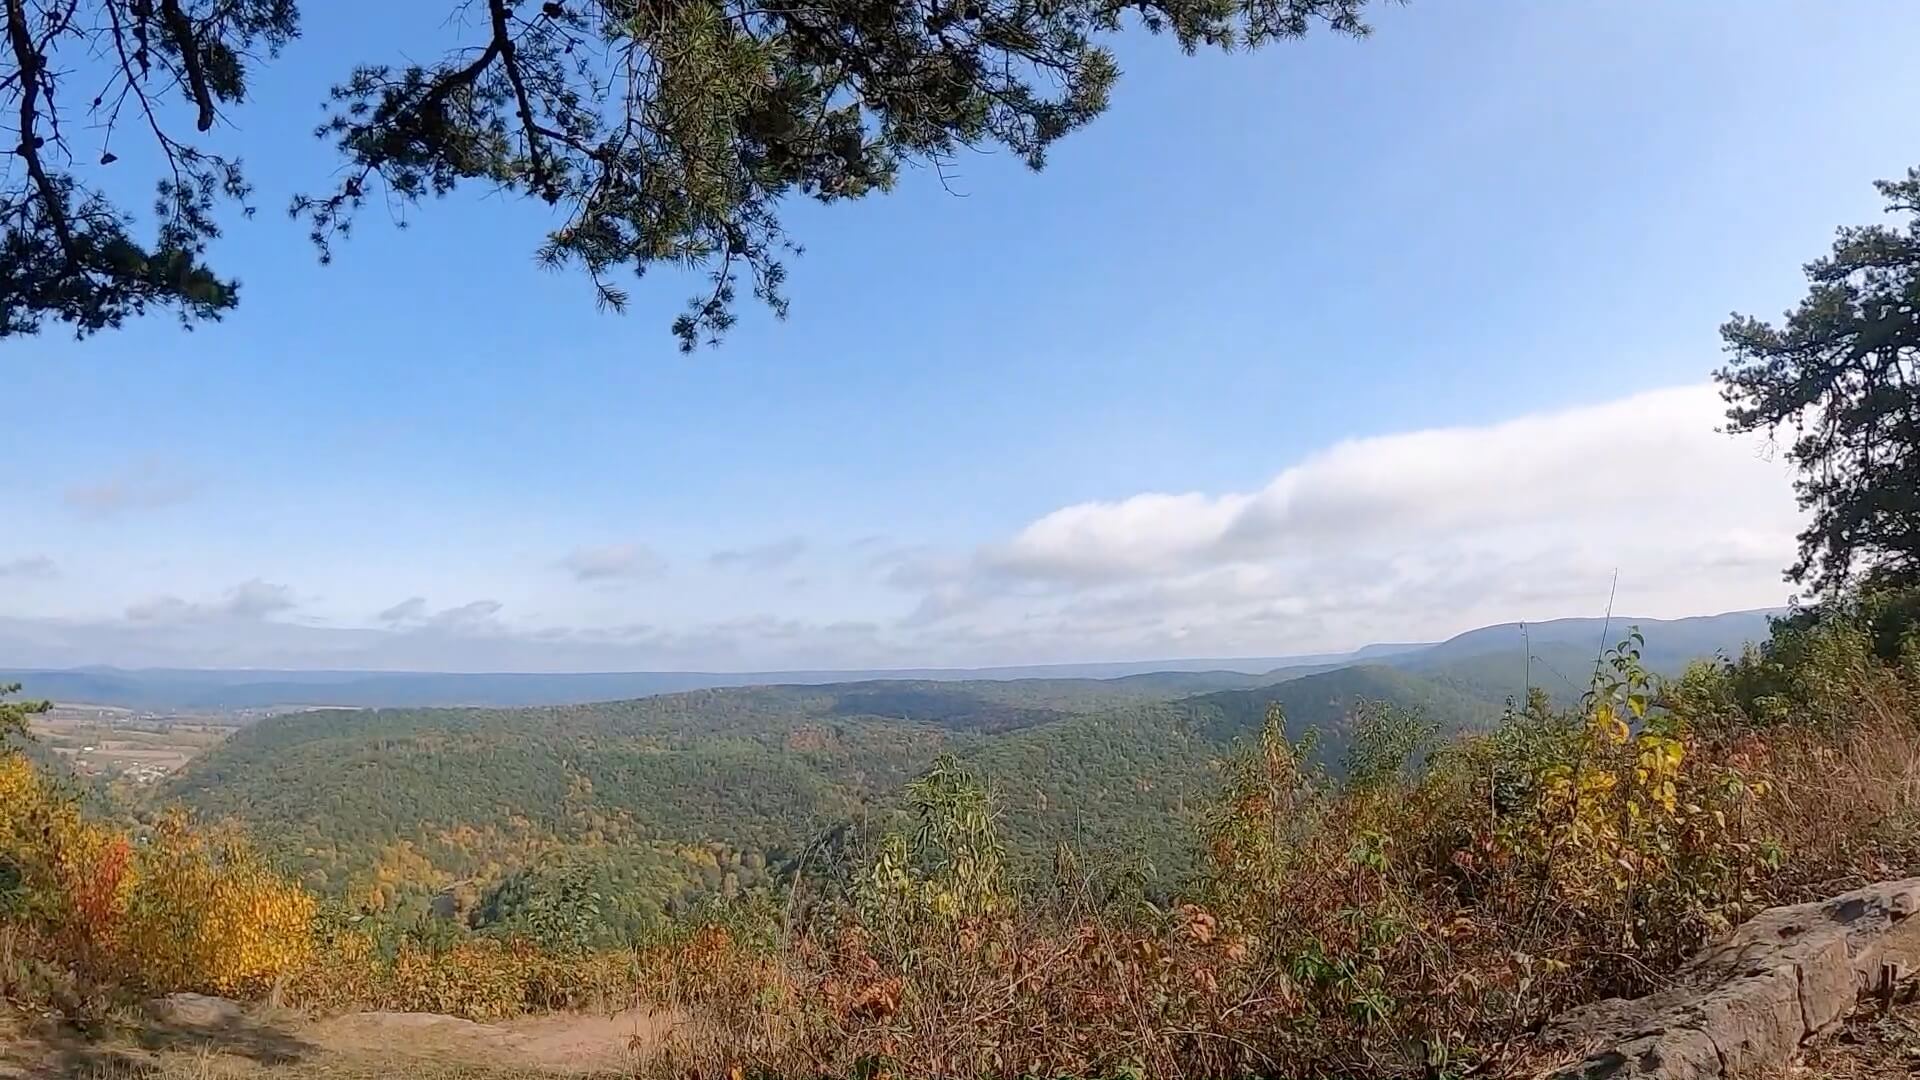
[1744, 1006]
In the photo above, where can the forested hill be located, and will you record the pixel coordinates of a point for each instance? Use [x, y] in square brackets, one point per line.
[673, 796]
[755, 771]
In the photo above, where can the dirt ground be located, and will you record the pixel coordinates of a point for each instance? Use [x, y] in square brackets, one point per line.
[264, 1045]
[569, 1042]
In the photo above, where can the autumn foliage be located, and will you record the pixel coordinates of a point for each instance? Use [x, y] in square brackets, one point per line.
[480, 978]
[1411, 921]
[1420, 911]
[171, 908]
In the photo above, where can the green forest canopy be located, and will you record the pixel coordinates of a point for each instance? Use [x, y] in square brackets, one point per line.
[655, 802]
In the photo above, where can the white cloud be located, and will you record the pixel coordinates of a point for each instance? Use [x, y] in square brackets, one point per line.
[1094, 542]
[146, 486]
[1416, 534]
[412, 609]
[1658, 452]
[413, 613]
[29, 567]
[612, 562]
[257, 599]
[250, 601]
[468, 618]
[771, 556]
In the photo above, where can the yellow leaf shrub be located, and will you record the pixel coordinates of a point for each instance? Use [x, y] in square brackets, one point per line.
[184, 910]
[74, 877]
[478, 979]
[210, 915]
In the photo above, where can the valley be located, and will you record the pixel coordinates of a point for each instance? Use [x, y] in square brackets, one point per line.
[106, 744]
[656, 803]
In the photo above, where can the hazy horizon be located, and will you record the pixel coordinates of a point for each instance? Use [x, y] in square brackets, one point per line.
[20, 658]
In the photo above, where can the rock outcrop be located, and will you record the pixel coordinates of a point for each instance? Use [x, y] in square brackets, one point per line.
[1745, 1005]
[195, 1011]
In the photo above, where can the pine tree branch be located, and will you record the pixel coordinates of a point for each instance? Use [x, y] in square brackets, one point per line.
[180, 29]
[503, 43]
[29, 60]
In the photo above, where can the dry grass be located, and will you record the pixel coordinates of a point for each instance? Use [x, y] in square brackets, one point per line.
[1872, 1046]
[1843, 808]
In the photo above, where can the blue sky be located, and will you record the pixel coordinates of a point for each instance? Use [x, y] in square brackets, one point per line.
[1487, 214]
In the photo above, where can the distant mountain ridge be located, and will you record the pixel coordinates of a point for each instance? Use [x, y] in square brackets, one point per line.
[1698, 635]
[674, 794]
[1555, 642]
